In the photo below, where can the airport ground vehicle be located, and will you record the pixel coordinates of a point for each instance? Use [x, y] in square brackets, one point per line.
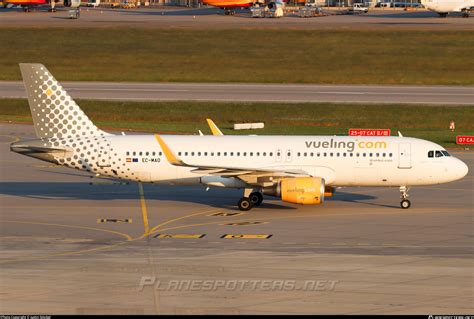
[93, 3]
[127, 5]
[296, 169]
[359, 8]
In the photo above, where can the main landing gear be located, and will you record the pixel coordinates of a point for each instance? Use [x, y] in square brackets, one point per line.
[229, 12]
[405, 203]
[250, 199]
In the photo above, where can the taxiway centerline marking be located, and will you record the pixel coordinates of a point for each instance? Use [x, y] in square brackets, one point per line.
[144, 210]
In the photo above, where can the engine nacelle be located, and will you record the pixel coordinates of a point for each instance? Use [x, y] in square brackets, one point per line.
[299, 190]
[72, 3]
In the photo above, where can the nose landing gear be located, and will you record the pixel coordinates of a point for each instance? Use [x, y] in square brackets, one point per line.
[405, 203]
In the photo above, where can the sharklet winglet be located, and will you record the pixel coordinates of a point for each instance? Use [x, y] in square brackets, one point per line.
[170, 156]
[214, 129]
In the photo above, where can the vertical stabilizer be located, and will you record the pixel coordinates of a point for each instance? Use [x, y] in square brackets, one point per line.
[54, 112]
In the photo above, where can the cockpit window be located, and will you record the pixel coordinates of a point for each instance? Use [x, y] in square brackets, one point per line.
[430, 154]
[445, 153]
[438, 154]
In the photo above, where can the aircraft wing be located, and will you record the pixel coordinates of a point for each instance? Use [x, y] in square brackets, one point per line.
[254, 176]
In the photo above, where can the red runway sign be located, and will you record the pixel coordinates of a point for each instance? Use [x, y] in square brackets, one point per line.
[368, 132]
[460, 139]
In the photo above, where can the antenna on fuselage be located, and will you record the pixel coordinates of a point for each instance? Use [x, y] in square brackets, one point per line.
[400, 134]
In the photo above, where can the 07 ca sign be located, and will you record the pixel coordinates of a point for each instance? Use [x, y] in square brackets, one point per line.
[460, 139]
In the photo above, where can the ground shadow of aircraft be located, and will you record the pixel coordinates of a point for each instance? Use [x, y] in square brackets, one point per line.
[106, 190]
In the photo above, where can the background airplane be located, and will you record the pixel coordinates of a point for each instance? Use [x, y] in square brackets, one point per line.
[444, 7]
[296, 169]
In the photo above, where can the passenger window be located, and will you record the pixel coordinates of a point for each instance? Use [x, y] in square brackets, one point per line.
[179, 153]
[438, 154]
[160, 153]
[271, 154]
[140, 153]
[199, 153]
[264, 153]
[430, 154]
[185, 153]
[205, 153]
[225, 153]
[146, 153]
[128, 153]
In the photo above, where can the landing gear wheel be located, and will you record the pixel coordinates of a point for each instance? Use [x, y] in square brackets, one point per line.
[245, 204]
[405, 204]
[256, 198]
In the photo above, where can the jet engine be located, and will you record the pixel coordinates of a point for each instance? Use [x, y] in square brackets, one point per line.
[72, 3]
[299, 190]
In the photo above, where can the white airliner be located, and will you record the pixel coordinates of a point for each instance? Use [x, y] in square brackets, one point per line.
[297, 169]
[443, 7]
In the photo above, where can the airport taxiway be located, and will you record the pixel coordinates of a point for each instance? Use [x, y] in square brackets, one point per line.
[436, 95]
[68, 246]
[172, 17]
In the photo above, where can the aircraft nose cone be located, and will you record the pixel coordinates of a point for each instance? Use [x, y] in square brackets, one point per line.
[462, 169]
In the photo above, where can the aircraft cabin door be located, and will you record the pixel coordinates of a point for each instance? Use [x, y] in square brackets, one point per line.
[103, 158]
[404, 155]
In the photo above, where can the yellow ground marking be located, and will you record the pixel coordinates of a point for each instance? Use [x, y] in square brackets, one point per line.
[144, 210]
[109, 247]
[154, 229]
[244, 223]
[114, 220]
[246, 236]
[329, 214]
[180, 236]
[15, 138]
[128, 237]
[225, 214]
